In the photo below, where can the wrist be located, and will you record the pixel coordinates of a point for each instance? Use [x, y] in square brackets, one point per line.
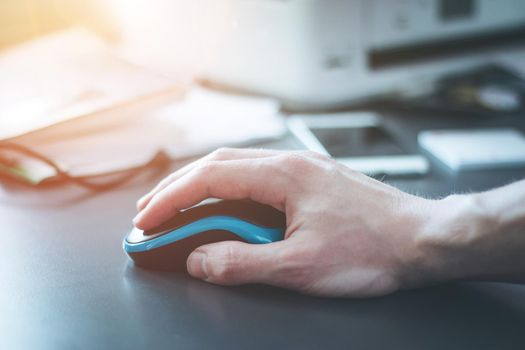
[452, 239]
[447, 241]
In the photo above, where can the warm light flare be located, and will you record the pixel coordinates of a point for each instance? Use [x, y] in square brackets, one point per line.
[178, 37]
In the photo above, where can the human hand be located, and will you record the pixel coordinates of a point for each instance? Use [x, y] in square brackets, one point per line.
[347, 234]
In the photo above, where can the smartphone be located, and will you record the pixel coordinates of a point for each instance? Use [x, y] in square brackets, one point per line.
[357, 140]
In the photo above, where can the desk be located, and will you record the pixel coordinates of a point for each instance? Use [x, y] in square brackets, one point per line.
[67, 284]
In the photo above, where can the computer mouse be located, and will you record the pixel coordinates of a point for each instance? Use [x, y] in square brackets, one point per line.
[168, 246]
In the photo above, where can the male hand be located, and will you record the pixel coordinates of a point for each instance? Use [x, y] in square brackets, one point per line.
[347, 234]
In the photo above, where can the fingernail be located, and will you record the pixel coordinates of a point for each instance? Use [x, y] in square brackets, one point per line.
[196, 265]
[138, 218]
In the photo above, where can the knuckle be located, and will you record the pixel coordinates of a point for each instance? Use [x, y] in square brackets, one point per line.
[298, 162]
[332, 167]
[168, 179]
[315, 155]
[222, 266]
[205, 168]
[221, 153]
[322, 161]
[165, 181]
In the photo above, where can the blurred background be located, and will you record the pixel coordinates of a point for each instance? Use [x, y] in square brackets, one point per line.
[64, 59]
[27, 19]
[307, 53]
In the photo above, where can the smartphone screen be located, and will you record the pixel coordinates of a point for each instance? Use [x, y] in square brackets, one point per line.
[357, 141]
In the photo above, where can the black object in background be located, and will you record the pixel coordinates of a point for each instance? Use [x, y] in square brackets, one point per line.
[358, 142]
[489, 90]
[456, 9]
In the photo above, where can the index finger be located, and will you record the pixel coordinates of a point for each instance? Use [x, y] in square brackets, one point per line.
[220, 154]
[231, 179]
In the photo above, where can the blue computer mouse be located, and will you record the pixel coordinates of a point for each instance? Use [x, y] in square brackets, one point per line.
[168, 246]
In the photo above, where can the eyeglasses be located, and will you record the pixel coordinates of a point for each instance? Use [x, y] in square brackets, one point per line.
[29, 166]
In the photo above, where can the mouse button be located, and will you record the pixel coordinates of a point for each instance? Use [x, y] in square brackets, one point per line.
[261, 214]
[136, 236]
[242, 209]
[248, 210]
[180, 219]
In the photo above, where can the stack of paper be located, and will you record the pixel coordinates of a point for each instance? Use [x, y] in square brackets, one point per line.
[69, 98]
[65, 76]
[206, 119]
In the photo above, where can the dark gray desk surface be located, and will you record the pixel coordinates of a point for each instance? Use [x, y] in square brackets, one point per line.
[66, 283]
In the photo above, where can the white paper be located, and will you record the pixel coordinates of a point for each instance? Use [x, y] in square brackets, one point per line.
[63, 76]
[475, 149]
[206, 119]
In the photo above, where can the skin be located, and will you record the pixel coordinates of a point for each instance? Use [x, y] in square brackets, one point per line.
[347, 235]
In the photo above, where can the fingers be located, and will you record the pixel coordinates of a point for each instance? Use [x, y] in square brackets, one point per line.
[234, 263]
[220, 154]
[231, 179]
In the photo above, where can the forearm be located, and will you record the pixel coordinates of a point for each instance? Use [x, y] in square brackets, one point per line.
[477, 237]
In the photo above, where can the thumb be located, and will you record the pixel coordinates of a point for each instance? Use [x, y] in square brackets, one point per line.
[233, 262]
